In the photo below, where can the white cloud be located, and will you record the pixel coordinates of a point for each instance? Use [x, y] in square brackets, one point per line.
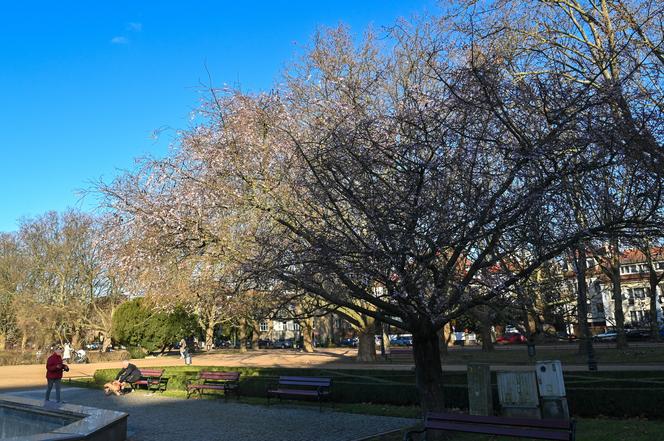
[135, 26]
[120, 40]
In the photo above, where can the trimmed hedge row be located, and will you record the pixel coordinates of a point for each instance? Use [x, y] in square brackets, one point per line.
[611, 394]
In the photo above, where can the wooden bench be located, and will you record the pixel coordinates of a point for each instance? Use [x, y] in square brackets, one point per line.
[301, 387]
[152, 379]
[559, 430]
[213, 380]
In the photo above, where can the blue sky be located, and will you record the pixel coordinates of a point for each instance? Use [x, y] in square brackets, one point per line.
[85, 85]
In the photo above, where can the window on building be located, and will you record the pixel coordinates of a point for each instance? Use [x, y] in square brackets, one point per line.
[600, 308]
[632, 315]
[660, 265]
[263, 326]
[639, 315]
[630, 296]
[639, 293]
[633, 269]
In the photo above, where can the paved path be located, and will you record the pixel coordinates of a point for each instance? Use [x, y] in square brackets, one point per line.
[34, 375]
[153, 417]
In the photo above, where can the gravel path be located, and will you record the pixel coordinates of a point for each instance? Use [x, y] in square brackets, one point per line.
[155, 417]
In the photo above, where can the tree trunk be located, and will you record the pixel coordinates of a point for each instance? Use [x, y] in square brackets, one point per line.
[442, 341]
[242, 330]
[385, 340]
[307, 329]
[3, 341]
[484, 316]
[487, 337]
[105, 343]
[585, 342]
[366, 348]
[209, 334]
[255, 334]
[428, 369]
[616, 291]
[654, 326]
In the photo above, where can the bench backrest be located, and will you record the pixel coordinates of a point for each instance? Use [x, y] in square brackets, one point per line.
[432, 418]
[219, 376]
[151, 372]
[305, 381]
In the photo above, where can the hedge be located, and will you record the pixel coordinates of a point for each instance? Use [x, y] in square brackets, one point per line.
[611, 394]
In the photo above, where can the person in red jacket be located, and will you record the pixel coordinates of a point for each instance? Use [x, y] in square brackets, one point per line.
[54, 369]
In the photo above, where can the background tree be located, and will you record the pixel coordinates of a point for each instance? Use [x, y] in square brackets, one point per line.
[11, 264]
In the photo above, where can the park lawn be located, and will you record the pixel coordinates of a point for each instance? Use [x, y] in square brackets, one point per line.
[568, 355]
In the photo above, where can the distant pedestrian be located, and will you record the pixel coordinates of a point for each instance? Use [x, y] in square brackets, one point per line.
[66, 354]
[183, 348]
[54, 368]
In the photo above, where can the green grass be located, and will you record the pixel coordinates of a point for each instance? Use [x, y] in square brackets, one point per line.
[569, 355]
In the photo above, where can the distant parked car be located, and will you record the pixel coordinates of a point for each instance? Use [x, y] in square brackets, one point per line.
[265, 343]
[606, 336]
[637, 334]
[511, 338]
[402, 340]
[93, 346]
[283, 344]
[349, 342]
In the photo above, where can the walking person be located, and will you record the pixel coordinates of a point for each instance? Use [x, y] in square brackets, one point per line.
[66, 354]
[54, 368]
[183, 348]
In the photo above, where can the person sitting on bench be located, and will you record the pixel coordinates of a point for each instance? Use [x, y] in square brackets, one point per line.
[127, 375]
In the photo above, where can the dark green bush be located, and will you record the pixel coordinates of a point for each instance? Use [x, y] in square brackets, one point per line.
[136, 325]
